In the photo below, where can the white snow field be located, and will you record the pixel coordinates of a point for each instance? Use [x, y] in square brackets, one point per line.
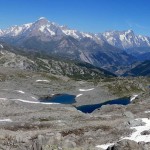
[5, 120]
[79, 95]
[133, 97]
[136, 135]
[42, 81]
[85, 90]
[104, 146]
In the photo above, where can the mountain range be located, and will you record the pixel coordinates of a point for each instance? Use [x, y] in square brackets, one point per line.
[111, 50]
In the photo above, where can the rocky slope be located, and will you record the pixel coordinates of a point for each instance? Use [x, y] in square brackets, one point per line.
[9, 57]
[142, 69]
[27, 125]
[143, 57]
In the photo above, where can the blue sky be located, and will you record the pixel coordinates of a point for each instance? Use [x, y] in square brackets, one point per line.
[84, 15]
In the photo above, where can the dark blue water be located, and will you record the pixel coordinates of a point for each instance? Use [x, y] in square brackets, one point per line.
[91, 108]
[70, 99]
[63, 99]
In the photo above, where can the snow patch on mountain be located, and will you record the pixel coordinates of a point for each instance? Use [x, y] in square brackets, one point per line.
[137, 135]
[79, 95]
[33, 102]
[73, 33]
[6, 120]
[19, 91]
[85, 90]
[42, 81]
[133, 97]
[104, 146]
[1, 46]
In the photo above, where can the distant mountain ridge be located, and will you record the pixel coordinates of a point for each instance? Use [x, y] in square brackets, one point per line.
[133, 44]
[126, 39]
[46, 29]
[106, 50]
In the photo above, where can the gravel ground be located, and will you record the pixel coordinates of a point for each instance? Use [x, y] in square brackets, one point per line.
[34, 126]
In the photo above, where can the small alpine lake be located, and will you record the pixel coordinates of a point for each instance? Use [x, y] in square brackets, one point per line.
[60, 98]
[91, 108]
[70, 99]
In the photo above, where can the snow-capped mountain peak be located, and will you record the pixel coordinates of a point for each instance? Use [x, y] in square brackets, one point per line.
[15, 30]
[126, 39]
[130, 31]
[46, 30]
[42, 18]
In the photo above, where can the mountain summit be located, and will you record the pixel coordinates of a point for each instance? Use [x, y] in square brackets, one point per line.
[42, 26]
[126, 39]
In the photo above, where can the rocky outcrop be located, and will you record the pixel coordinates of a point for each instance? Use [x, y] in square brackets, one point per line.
[127, 145]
